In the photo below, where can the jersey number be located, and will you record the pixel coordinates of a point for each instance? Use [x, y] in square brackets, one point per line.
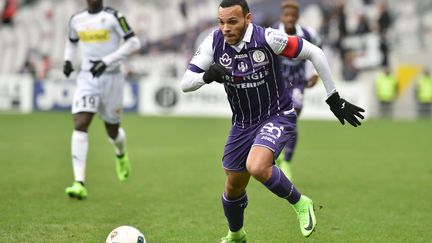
[88, 101]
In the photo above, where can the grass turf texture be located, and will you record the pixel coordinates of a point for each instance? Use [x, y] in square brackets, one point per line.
[372, 182]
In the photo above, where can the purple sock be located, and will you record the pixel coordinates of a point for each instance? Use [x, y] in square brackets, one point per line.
[234, 210]
[281, 186]
[290, 146]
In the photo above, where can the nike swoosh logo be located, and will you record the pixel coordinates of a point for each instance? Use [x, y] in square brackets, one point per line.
[343, 105]
[309, 227]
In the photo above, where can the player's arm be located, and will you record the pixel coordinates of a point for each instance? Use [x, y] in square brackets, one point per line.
[201, 69]
[131, 45]
[311, 74]
[295, 47]
[70, 49]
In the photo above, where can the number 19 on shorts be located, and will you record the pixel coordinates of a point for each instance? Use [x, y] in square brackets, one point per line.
[87, 103]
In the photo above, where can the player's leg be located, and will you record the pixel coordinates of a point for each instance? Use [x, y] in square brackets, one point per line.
[292, 143]
[234, 198]
[284, 161]
[268, 144]
[260, 166]
[85, 104]
[117, 136]
[79, 148]
[111, 110]
[234, 202]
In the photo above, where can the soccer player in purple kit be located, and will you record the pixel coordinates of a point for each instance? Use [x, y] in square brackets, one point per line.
[295, 73]
[243, 57]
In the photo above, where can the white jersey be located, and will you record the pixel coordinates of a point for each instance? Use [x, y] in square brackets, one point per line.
[99, 34]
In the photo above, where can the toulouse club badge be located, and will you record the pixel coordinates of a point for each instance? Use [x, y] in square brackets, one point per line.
[259, 58]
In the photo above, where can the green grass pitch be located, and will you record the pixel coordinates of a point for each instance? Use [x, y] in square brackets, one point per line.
[369, 184]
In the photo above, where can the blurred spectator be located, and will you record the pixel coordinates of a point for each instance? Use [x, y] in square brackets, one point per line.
[45, 66]
[28, 2]
[363, 25]
[349, 71]
[183, 9]
[29, 66]
[9, 11]
[386, 89]
[340, 18]
[384, 19]
[334, 30]
[384, 24]
[424, 94]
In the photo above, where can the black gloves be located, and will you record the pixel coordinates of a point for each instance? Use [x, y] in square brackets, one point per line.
[344, 110]
[67, 68]
[216, 72]
[98, 68]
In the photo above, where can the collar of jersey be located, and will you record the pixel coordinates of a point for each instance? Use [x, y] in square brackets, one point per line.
[246, 39]
[95, 12]
[299, 31]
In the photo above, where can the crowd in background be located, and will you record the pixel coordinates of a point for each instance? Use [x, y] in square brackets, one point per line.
[357, 35]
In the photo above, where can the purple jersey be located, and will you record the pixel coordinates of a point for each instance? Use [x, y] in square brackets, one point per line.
[294, 71]
[254, 86]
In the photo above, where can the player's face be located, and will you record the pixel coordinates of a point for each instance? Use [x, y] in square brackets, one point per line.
[94, 4]
[233, 23]
[289, 17]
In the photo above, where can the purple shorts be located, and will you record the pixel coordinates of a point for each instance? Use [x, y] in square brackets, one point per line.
[272, 133]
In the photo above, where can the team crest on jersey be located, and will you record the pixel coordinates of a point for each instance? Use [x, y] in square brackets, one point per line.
[259, 58]
[242, 66]
[225, 60]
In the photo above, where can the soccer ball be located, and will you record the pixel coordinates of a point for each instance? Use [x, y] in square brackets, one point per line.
[125, 234]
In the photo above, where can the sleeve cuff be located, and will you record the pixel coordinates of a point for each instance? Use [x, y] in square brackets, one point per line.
[73, 40]
[129, 35]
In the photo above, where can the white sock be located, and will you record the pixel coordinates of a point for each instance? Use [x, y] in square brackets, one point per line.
[79, 149]
[119, 142]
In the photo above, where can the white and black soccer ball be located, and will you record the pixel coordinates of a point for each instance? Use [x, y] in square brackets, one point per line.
[125, 234]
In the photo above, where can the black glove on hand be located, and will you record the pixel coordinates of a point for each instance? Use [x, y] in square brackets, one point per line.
[216, 72]
[67, 68]
[98, 68]
[344, 110]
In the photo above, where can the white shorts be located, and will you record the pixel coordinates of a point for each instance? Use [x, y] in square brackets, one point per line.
[103, 95]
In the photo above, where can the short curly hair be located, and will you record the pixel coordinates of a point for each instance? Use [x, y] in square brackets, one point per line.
[290, 4]
[229, 3]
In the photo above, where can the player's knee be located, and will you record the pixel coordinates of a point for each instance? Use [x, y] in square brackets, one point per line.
[233, 191]
[234, 188]
[82, 122]
[112, 130]
[81, 126]
[112, 133]
[255, 169]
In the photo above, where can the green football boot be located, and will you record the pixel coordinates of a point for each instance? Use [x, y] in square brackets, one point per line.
[235, 237]
[123, 167]
[306, 215]
[285, 167]
[77, 191]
